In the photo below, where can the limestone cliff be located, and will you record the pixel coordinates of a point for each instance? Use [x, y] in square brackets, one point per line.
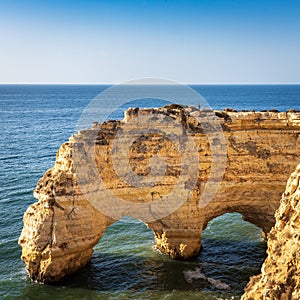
[280, 277]
[259, 152]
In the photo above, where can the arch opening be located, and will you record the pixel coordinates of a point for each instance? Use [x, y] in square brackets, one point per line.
[123, 260]
[126, 262]
[126, 236]
[233, 250]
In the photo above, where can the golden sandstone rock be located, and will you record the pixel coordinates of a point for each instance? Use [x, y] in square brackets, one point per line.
[259, 149]
[280, 277]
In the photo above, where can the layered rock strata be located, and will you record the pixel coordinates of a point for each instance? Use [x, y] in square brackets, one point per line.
[280, 276]
[258, 151]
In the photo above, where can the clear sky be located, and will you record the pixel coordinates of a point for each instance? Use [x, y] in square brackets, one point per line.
[204, 41]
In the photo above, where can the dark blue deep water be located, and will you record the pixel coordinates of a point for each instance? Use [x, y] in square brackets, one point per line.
[34, 121]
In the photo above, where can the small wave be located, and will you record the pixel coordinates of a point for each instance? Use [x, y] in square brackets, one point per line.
[155, 249]
[9, 157]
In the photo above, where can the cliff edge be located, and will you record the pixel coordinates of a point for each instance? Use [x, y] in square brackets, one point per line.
[280, 273]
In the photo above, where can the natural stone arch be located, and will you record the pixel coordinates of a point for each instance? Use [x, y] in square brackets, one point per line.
[61, 229]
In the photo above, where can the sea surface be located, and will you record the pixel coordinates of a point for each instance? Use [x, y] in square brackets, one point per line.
[34, 121]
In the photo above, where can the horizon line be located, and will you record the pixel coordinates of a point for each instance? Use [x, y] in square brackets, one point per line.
[110, 83]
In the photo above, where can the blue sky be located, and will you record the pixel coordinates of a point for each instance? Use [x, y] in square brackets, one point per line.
[205, 41]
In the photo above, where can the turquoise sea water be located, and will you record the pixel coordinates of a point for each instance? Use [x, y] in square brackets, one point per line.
[35, 121]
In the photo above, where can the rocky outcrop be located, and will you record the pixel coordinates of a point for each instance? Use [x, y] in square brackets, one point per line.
[77, 195]
[280, 274]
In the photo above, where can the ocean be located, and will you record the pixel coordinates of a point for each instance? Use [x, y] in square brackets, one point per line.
[35, 121]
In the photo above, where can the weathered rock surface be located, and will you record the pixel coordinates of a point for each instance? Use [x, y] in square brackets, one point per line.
[280, 277]
[61, 229]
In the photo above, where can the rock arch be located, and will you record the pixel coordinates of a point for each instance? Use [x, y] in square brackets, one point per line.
[61, 229]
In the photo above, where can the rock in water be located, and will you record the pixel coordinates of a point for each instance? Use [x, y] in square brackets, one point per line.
[259, 151]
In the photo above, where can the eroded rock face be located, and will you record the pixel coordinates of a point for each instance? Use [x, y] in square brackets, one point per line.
[280, 277]
[61, 229]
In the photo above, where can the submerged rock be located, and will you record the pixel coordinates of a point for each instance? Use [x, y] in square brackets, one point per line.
[196, 274]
